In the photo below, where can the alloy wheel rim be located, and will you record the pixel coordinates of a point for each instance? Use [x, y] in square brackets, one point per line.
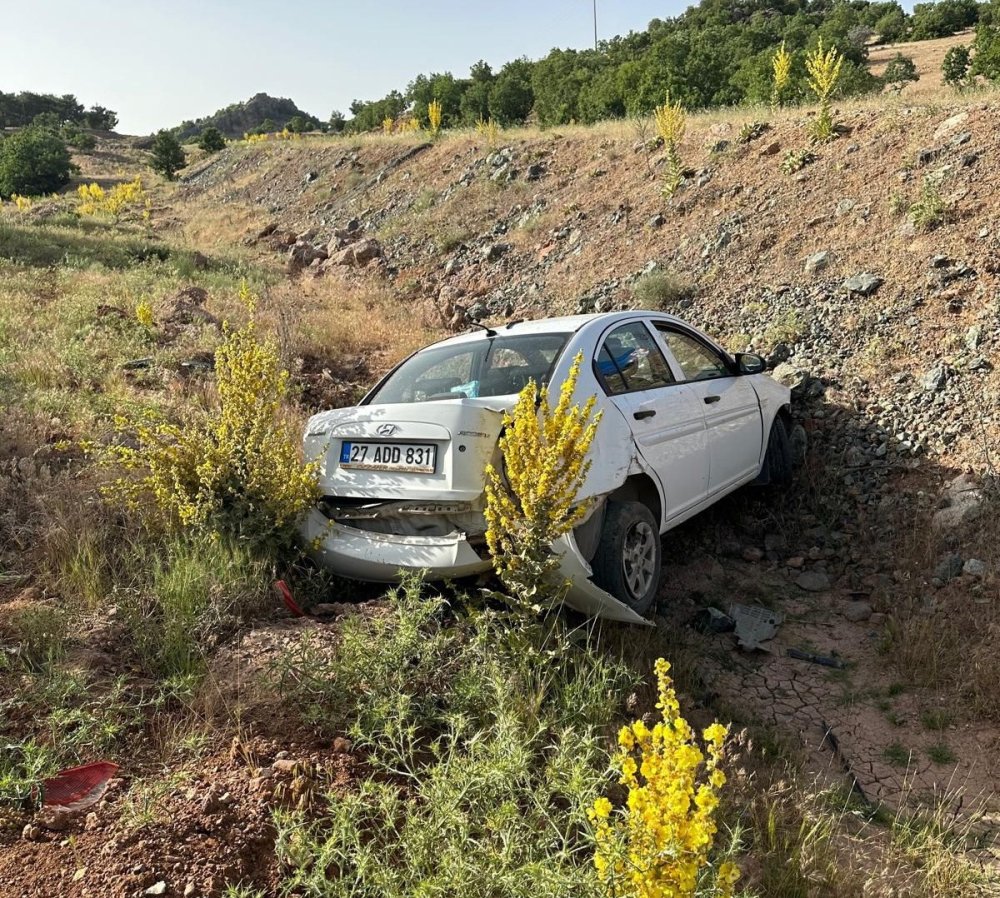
[639, 558]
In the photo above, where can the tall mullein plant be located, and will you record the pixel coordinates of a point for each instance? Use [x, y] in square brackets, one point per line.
[534, 501]
[781, 70]
[823, 68]
[671, 124]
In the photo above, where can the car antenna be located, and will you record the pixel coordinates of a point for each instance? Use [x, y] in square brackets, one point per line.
[510, 324]
[489, 330]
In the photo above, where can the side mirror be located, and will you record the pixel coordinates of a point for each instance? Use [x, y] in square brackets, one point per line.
[750, 363]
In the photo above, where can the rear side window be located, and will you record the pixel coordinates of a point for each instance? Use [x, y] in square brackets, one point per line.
[697, 361]
[629, 360]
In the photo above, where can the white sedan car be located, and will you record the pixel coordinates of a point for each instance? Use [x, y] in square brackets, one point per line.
[684, 423]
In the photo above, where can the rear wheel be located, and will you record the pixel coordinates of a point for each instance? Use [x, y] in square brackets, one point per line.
[778, 461]
[629, 556]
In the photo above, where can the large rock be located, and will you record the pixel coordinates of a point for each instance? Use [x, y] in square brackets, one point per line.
[360, 253]
[961, 504]
[864, 284]
[950, 124]
[813, 581]
[817, 262]
[304, 253]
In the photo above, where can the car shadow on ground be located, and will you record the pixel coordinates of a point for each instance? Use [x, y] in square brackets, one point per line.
[846, 556]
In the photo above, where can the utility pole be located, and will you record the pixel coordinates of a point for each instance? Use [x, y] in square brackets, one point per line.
[595, 24]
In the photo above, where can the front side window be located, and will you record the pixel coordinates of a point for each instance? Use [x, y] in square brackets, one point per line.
[496, 366]
[630, 360]
[697, 361]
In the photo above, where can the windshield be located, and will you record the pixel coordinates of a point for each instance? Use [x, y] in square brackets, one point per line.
[498, 366]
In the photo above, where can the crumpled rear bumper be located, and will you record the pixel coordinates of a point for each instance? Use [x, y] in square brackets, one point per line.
[382, 558]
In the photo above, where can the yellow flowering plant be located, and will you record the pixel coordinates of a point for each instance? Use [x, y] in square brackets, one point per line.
[144, 313]
[533, 501]
[435, 115]
[489, 129]
[781, 69]
[671, 123]
[93, 199]
[23, 203]
[823, 68]
[658, 845]
[235, 468]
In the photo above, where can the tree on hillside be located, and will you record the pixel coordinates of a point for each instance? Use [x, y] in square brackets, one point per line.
[211, 140]
[337, 121]
[891, 27]
[101, 119]
[33, 161]
[167, 155]
[986, 62]
[944, 18]
[900, 70]
[511, 96]
[299, 124]
[955, 66]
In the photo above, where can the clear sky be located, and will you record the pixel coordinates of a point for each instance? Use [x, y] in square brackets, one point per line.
[158, 62]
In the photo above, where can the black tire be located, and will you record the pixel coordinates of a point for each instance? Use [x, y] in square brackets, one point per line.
[778, 460]
[629, 556]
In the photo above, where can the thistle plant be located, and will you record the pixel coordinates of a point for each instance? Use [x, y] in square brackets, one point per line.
[658, 844]
[823, 68]
[489, 129]
[781, 67]
[671, 123]
[434, 116]
[533, 502]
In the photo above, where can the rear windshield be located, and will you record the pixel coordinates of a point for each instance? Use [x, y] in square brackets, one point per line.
[497, 366]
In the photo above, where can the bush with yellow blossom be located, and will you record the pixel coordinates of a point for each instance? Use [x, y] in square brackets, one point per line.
[93, 199]
[659, 844]
[234, 468]
[545, 464]
[671, 124]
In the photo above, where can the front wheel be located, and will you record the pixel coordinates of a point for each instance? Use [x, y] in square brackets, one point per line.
[629, 556]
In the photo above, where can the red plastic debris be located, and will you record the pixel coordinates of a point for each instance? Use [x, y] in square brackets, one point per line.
[286, 596]
[78, 787]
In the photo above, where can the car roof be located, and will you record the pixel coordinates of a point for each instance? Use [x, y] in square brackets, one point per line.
[565, 324]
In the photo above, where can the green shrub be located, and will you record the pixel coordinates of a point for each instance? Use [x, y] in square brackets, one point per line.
[167, 155]
[191, 592]
[33, 161]
[955, 66]
[40, 633]
[929, 209]
[659, 289]
[900, 70]
[486, 745]
[211, 140]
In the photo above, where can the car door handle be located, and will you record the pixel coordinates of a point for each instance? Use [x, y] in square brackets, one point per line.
[710, 399]
[645, 413]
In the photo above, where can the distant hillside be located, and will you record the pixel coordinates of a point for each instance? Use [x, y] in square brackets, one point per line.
[241, 118]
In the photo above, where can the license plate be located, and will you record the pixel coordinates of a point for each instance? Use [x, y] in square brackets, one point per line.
[416, 458]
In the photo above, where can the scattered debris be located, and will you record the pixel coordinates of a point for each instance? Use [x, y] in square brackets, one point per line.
[77, 787]
[825, 660]
[712, 620]
[754, 624]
